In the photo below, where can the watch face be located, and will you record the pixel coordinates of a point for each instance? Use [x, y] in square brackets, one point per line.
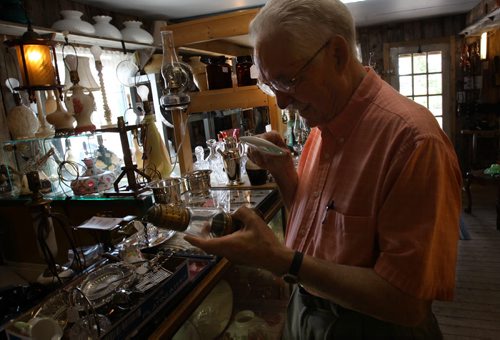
[289, 278]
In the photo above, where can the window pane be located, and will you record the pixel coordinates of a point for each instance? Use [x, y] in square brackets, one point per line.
[435, 84]
[404, 63]
[434, 60]
[405, 87]
[419, 63]
[422, 100]
[436, 105]
[420, 85]
[440, 121]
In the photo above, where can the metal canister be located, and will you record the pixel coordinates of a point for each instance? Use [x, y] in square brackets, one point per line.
[198, 221]
[169, 216]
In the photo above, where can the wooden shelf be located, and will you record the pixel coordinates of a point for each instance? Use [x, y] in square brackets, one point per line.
[230, 98]
[16, 30]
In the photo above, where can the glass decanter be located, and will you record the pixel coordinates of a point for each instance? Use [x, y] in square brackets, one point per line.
[215, 163]
[201, 163]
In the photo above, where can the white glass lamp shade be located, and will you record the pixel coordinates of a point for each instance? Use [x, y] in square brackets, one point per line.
[133, 32]
[103, 27]
[72, 22]
[84, 73]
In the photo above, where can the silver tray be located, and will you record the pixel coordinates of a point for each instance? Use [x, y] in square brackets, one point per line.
[100, 286]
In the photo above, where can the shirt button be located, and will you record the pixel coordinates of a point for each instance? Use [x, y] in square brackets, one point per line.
[316, 194]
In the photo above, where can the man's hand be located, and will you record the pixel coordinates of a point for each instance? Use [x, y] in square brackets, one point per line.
[254, 245]
[267, 161]
[280, 166]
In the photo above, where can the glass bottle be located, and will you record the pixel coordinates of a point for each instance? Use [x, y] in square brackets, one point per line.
[196, 221]
[243, 65]
[218, 73]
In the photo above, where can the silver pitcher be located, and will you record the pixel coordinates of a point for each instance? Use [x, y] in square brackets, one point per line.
[232, 166]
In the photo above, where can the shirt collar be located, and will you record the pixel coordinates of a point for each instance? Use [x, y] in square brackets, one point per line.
[343, 123]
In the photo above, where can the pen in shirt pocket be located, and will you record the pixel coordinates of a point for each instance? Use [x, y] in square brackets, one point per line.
[329, 206]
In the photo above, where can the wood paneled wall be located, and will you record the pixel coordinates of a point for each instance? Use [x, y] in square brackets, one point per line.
[372, 38]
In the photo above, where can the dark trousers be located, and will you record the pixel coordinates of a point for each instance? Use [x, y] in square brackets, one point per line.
[310, 317]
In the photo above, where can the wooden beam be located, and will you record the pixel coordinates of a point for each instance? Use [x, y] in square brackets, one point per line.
[212, 28]
[225, 99]
[218, 47]
[184, 154]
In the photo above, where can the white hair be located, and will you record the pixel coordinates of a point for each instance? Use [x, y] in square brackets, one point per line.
[307, 22]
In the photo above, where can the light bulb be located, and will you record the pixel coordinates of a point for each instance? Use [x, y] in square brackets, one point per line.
[143, 92]
[34, 56]
[71, 61]
[12, 84]
[96, 52]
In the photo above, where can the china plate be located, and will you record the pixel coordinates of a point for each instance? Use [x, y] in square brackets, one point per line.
[262, 145]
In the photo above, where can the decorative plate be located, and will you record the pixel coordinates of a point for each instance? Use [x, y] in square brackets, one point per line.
[213, 314]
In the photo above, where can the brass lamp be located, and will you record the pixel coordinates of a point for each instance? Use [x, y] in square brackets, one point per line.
[37, 62]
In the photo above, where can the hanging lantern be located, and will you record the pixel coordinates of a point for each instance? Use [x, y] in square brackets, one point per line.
[37, 62]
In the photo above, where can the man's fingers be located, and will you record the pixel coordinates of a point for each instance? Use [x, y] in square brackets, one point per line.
[209, 245]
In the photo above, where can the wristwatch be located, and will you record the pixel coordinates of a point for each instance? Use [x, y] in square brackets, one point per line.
[292, 275]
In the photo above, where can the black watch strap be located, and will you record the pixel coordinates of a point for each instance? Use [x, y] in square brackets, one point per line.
[292, 275]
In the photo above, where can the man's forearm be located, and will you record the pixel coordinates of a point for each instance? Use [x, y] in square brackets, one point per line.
[362, 290]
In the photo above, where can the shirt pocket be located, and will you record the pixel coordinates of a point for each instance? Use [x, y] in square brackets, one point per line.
[347, 239]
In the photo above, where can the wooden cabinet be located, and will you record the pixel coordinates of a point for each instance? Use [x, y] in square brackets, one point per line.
[216, 34]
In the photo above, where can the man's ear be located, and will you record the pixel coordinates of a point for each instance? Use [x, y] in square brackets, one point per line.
[339, 48]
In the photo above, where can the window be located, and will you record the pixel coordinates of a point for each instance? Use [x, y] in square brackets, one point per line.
[115, 93]
[420, 79]
[421, 71]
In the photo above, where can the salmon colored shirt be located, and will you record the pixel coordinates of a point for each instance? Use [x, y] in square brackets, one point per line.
[391, 181]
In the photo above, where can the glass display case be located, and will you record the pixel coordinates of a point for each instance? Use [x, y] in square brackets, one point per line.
[175, 291]
[70, 165]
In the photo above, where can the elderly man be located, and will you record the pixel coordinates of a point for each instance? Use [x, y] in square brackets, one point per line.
[374, 204]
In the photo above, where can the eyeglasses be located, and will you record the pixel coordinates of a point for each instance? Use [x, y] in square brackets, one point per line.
[288, 86]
